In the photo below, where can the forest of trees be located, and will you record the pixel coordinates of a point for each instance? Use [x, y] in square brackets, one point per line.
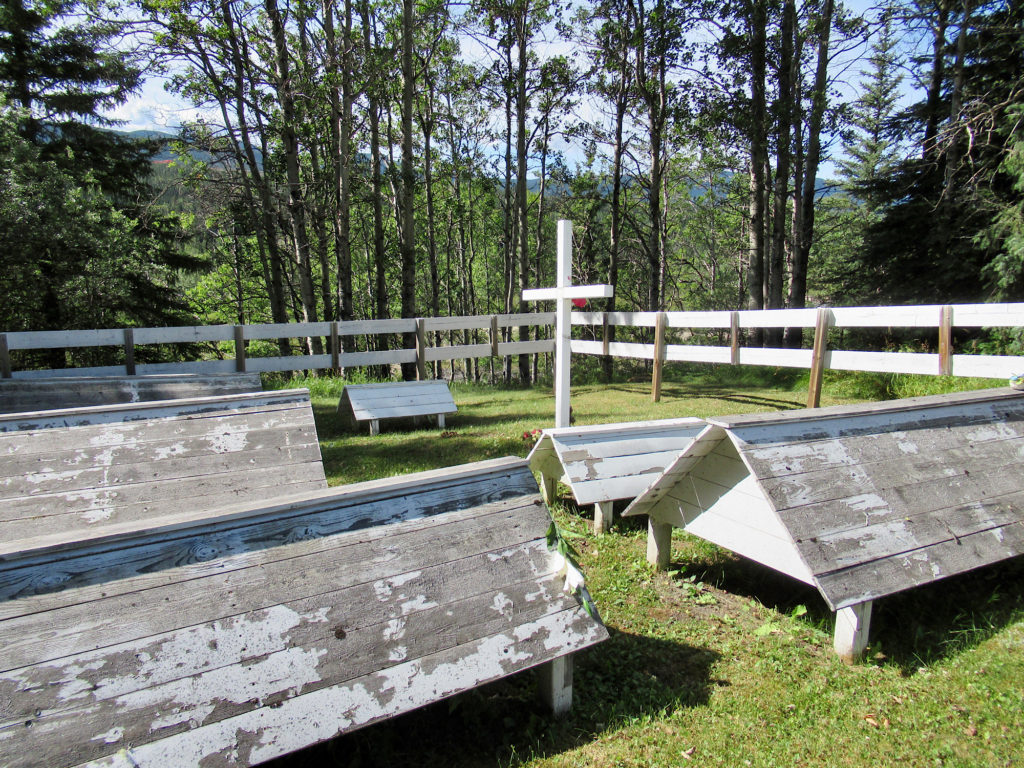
[392, 158]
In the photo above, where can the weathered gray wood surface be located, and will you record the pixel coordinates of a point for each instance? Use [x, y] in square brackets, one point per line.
[872, 499]
[391, 400]
[606, 462]
[237, 639]
[75, 392]
[68, 471]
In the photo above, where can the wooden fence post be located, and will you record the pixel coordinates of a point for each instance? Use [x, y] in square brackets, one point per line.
[946, 341]
[129, 351]
[605, 339]
[734, 338]
[659, 355]
[335, 348]
[5, 357]
[824, 322]
[240, 348]
[494, 335]
[421, 349]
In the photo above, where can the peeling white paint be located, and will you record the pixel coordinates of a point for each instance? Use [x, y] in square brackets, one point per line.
[322, 714]
[385, 587]
[503, 604]
[418, 603]
[395, 629]
[166, 451]
[399, 653]
[230, 442]
[110, 737]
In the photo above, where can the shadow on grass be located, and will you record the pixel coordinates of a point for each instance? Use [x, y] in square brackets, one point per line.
[626, 677]
[911, 629]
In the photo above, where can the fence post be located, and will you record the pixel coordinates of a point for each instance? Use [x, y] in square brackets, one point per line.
[946, 341]
[335, 351]
[494, 335]
[824, 322]
[734, 338]
[421, 349]
[659, 355]
[5, 357]
[604, 334]
[129, 351]
[240, 348]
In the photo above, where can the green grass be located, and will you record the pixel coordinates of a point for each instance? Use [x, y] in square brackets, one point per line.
[719, 661]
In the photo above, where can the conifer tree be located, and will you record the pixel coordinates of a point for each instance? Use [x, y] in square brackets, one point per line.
[869, 147]
[59, 72]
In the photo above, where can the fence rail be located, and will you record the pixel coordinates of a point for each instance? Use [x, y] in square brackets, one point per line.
[500, 342]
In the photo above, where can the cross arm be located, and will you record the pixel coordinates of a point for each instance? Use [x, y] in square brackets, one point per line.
[569, 292]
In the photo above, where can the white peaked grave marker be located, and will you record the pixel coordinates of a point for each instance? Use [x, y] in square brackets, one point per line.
[563, 294]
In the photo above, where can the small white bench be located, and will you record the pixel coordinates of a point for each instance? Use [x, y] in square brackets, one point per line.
[606, 462]
[395, 400]
[49, 393]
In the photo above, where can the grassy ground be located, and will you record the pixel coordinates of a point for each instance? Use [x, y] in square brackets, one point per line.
[718, 662]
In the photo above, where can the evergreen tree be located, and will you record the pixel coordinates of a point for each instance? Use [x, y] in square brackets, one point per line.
[105, 256]
[868, 144]
[928, 245]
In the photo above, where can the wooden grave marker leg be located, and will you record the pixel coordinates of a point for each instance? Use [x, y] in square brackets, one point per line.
[852, 627]
[440, 421]
[659, 543]
[374, 427]
[603, 516]
[554, 684]
[548, 488]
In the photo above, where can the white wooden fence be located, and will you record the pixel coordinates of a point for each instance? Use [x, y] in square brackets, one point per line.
[941, 318]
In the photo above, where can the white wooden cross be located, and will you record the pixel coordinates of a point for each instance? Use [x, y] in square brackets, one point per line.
[563, 294]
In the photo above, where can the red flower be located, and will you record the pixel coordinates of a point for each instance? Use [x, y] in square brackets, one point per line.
[579, 303]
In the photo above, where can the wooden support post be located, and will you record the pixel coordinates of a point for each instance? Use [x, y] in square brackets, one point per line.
[824, 322]
[659, 544]
[554, 684]
[374, 427]
[605, 336]
[5, 357]
[548, 488]
[335, 348]
[603, 516]
[852, 627]
[240, 348]
[734, 338]
[659, 355]
[946, 341]
[440, 421]
[494, 335]
[421, 349]
[129, 351]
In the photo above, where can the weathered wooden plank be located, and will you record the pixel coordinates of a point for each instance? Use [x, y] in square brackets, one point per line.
[67, 392]
[122, 413]
[76, 511]
[771, 460]
[917, 480]
[37, 471]
[982, 406]
[910, 569]
[267, 577]
[272, 731]
[228, 448]
[858, 546]
[364, 628]
[29, 583]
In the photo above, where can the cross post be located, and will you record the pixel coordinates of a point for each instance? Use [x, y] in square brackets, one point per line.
[563, 294]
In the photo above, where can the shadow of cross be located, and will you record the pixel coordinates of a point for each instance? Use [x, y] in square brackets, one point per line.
[563, 294]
